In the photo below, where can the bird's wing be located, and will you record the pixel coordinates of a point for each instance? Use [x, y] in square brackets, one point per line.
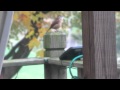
[53, 23]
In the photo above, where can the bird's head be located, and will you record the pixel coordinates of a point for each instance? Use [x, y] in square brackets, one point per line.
[60, 17]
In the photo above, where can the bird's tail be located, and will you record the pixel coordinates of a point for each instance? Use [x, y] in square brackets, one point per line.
[48, 30]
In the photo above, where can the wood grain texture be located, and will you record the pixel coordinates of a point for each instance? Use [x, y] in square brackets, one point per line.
[54, 53]
[11, 65]
[54, 43]
[99, 45]
[37, 61]
[80, 73]
[22, 62]
[54, 40]
[32, 61]
[7, 72]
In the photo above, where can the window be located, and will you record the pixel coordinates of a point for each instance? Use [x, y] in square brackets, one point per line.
[28, 29]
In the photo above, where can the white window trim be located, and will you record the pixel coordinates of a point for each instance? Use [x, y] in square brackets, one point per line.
[5, 35]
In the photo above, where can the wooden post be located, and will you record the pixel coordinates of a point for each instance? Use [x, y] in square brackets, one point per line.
[99, 45]
[80, 73]
[5, 25]
[54, 44]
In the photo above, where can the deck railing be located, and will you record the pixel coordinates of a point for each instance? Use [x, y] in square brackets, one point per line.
[98, 30]
[51, 61]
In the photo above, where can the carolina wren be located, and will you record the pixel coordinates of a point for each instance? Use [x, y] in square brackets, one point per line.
[56, 24]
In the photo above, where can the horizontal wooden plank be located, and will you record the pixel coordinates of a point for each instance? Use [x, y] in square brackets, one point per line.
[22, 62]
[37, 61]
[56, 61]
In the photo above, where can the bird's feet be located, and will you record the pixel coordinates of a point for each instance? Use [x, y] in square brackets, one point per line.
[58, 31]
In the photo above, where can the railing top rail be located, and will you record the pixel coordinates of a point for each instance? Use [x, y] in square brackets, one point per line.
[37, 61]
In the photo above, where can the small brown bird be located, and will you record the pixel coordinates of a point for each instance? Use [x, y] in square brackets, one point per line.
[56, 24]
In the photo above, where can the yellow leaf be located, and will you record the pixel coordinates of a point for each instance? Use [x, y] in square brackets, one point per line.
[30, 28]
[32, 12]
[33, 43]
[36, 42]
[25, 19]
[34, 18]
[41, 15]
[27, 23]
[42, 32]
[30, 34]
[16, 17]
[27, 13]
[39, 25]
[40, 53]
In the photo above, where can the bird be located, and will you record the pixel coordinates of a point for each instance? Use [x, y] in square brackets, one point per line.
[56, 24]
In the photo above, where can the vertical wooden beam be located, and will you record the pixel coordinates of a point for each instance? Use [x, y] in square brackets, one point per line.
[5, 25]
[80, 73]
[99, 45]
[54, 45]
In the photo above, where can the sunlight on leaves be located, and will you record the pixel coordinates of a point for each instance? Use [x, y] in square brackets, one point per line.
[42, 32]
[33, 43]
[40, 53]
[31, 33]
